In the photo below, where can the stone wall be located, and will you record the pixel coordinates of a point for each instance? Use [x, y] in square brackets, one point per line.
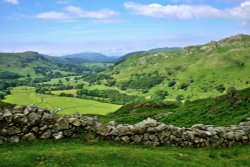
[31, 123]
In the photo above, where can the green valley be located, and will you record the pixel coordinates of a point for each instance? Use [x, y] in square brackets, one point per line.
[120, 83]
[63, 105]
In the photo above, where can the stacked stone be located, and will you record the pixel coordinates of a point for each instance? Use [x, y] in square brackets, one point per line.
[30, 123]
[153, 133]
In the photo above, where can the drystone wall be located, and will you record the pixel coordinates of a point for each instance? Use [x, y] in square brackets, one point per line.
[31, 123]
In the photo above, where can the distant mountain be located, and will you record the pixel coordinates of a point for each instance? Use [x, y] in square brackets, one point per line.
[87, 57]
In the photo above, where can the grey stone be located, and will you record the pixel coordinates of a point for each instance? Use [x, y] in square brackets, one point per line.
[63, 123]
[137, 138]
[150, 122]
[29, 136]
[48, 118]
[7, 115]
[140, 127]
[125, 139]
[34, 118]
[18, 109]
[14, 139]
[74, 121]
[20, 119]
[58, 135]
[46, 134]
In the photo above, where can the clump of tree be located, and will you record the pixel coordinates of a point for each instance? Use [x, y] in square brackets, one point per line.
[94, 78]
[110, 96]
[66, 95]
[9, 75]
[143, 81]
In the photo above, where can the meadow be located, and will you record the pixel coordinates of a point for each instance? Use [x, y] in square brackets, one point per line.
[85, 152]
[65, 105]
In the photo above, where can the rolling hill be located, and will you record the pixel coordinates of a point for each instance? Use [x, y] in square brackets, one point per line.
[190, 73]
[24, 63]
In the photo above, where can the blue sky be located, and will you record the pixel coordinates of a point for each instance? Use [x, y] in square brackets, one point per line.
[116, 27]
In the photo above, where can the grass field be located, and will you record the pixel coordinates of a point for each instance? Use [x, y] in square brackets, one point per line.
[58, 92]
[79, 152]
[67, 105]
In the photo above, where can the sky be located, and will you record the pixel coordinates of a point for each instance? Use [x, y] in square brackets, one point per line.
[117, 27]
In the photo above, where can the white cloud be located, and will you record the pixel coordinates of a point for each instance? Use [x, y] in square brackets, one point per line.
[240, 12]
[74, 12]
[14, 2]
[52, 15]
[173, 11]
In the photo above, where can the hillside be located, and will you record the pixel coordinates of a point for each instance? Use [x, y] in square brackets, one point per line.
[225, 110]
[193, 72]
[87, 57]
[24, 63]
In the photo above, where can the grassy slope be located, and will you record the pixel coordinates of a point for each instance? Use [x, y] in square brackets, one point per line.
[225, 62]
[26, 96]
[76, 152]
[23, 63]
[217, 111]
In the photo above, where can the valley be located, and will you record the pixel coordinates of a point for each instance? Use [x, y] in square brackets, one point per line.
[120, 83]
[206, 85]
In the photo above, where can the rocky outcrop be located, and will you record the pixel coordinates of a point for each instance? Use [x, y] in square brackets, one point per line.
[31, 123]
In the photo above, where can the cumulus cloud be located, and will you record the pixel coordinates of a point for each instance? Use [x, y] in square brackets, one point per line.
[14, 2]
[74, 12]
[240, 12]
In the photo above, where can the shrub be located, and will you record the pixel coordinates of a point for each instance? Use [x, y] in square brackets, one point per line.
[179, 97]
[220, 88]
[161, 94]
[231, 89]
[171, 83]
[183, 86]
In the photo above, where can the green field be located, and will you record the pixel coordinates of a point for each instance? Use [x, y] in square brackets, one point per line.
[66, 105]
[58, 92]
[79, 152]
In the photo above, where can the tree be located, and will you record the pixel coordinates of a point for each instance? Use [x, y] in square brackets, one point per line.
[1, 96]
[67, 79]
